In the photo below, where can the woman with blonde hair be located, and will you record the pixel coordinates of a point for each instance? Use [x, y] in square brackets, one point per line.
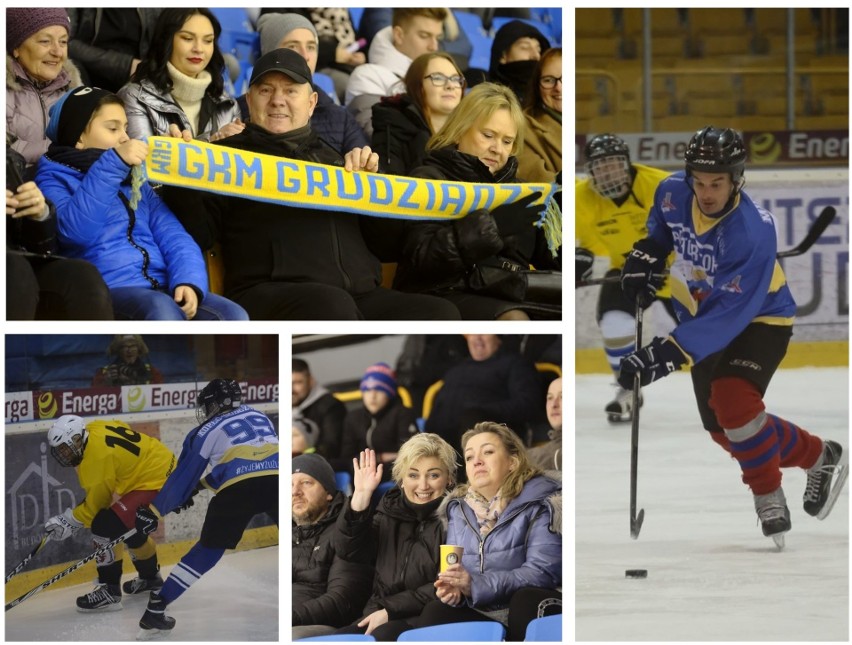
[403, 123]
[479, 143]
[508, 518]
[402, 537]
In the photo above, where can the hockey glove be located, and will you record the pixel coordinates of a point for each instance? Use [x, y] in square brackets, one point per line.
[62, 526]
[146, 520]
[583, 262]
[518, 217]
[654, 361]
[189, 501]
[638, 282]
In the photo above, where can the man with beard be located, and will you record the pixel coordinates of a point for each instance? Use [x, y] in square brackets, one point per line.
[328, 592]
[315, 403]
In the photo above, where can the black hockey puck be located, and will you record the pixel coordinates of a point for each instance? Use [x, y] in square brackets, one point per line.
[636, 573]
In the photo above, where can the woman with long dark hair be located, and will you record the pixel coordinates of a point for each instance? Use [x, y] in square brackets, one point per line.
[181, 81]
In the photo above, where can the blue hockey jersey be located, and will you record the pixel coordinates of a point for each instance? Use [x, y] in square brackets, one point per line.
[236, 445]
[725, 274]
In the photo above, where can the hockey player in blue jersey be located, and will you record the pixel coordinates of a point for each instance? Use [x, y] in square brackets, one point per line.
[735, 315]
[241, 447]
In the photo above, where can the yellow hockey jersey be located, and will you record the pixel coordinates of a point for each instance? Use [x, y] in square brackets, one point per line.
[609, 230]
[117, 459]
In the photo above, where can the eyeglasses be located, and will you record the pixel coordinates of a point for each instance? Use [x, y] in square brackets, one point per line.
[439, 80]
[549, 82]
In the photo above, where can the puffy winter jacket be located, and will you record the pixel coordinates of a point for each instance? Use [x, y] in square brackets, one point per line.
[276, 243]
[150, 112]
[104, 63]
[400, 134]
[523, 549]
[327, 590]
[27, 107]
[403, 544]
[97, 224]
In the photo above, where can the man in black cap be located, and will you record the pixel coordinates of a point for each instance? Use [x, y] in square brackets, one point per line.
[290, 263]
[328, 592]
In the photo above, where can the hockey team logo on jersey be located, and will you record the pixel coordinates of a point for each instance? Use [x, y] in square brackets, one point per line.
[733, 286]
[667, 204]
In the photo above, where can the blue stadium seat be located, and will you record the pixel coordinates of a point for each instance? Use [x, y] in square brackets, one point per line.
[243, 45]
[471, 25]
[326, 84]
[343, 482]
[338, 638]
[355, 17]
[383, 488]
[480, 631]
[233, 19]
[545, 630]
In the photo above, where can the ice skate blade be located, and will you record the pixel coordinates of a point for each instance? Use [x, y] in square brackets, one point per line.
[841, 472]
[778, 538]
[100, 610]
[153, 634]
[616, 418]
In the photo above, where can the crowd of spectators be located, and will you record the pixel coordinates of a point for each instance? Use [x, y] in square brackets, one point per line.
[405, 100]
[469, 473]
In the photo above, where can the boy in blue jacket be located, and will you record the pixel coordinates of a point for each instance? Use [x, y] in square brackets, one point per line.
[109, 215]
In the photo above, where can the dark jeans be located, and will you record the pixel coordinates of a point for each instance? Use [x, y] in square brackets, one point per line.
[55, 289]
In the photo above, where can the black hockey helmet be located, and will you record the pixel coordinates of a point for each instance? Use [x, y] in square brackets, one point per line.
[219, 395]
[605, 145]
[716, 150]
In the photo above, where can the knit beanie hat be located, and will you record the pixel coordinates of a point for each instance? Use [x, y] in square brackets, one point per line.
[317, 467]
[508, 34]
[308, 429]
[23, 23]
[272, 27]
[70, 115]
[379, 377]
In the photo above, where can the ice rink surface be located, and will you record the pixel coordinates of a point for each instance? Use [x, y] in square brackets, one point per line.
[237, 600]
[712, 576]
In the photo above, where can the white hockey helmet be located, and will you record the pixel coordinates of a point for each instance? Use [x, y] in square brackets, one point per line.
[67, 438]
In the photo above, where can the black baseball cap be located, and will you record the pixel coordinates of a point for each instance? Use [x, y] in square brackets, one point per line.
[285, 61]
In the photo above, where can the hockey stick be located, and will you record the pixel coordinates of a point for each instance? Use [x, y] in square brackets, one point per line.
[39, 547]
[62, 574]
[635, 520]
[821, 223]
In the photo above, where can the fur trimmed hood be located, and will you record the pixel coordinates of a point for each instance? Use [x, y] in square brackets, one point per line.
[14, 70]
[553, 500]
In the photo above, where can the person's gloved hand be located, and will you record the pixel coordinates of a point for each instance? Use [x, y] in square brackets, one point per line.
[190, 501]
[583, 263]
[62, 526]
[146, 520]
[518, 217]
[659, 358]
[640, 275]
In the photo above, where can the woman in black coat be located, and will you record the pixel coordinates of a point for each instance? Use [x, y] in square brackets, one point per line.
[477, 144]
[402, 537]
[403, 124]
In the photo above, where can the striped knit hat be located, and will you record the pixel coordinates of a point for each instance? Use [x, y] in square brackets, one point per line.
[379, 377]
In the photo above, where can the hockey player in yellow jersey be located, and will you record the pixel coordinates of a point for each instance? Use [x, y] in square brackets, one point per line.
[111, 460]
[612, 206]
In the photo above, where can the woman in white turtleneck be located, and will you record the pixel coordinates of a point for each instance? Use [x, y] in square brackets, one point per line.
[180, 82]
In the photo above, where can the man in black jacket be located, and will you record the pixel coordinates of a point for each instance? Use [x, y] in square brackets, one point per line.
[289, 263]
[328, 592]
[312, 401]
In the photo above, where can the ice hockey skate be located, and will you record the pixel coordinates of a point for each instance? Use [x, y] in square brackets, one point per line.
[141, 585]
[104, 598]
[820, 494]
[774, 515]
[154, 623]
[620, 409]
